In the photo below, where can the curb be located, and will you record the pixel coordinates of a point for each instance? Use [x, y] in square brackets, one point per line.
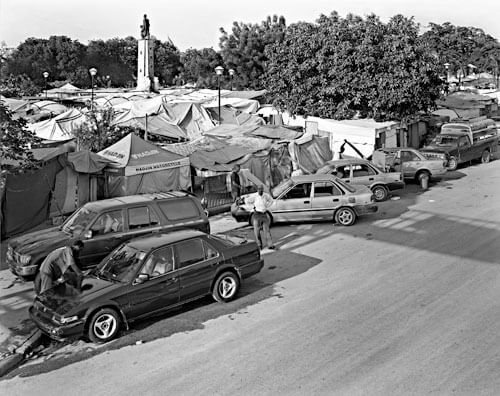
[20, 353]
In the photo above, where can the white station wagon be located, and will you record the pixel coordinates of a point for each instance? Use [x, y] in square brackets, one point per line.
[310, 198]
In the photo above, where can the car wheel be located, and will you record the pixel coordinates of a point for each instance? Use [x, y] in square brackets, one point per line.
[485, 157]
[380, 193]
[104, 325]
[452, 164]
[226, 287]
[345, 216]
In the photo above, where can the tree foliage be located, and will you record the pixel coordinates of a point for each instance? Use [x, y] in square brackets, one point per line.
[15, 141]
[17, 86]
[460, 46]
[342, 67]
[243, 50]
[198, 67]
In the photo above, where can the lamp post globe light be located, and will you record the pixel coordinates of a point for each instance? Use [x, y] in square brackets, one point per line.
[231, 73]
[93, 72]
[219, 70]
[45, 76]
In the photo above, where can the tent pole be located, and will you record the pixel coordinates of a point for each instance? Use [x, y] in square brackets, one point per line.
[146, 132]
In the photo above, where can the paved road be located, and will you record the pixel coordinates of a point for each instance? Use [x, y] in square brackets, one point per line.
[404, 302]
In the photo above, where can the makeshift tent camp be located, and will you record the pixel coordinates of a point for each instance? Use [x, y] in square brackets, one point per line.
[142, 167]
[59, 128]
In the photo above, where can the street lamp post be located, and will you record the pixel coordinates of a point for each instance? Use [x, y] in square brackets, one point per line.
[219, 70]
[45, 76]
[92, 72]
[231, 73]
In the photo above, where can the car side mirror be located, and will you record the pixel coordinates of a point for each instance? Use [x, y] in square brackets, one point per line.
[87, 234]
[141, 278]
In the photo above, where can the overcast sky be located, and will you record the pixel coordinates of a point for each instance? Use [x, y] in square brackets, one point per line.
[196, 23]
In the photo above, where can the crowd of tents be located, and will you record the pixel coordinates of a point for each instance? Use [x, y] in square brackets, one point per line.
[190, 139]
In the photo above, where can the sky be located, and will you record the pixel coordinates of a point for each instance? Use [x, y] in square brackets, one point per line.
[196, 23]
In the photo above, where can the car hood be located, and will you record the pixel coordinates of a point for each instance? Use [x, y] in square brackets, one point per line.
[37, 241]
[64, 299]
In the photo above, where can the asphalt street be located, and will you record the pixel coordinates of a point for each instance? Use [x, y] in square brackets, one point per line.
[404, 302]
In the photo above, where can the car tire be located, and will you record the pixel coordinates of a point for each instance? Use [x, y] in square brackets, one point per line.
[380, 193]
[345, 216]
[452, 163]
[104, 325]
[226, 287]
[485, 157]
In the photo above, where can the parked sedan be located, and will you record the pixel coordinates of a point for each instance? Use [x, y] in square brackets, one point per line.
[360, 171]
[146, 276]
[313, 197]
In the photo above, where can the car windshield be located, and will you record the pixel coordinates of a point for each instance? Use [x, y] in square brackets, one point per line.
[280, 188]
[444, 140]
[121, 265]
[78, 221]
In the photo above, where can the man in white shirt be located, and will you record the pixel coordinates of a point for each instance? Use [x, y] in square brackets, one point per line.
[261, 202]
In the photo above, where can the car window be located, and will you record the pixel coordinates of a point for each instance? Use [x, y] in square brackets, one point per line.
[190, 252]
[142, 217]
[360, 170]
[463, 142]
[210, 252]
[178, 209]
[108, 222]
[342, 171]
[325, 189]
[409, 156]
[302, 190]
[159, 262]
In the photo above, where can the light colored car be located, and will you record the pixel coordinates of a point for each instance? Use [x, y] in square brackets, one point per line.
[412, 163]
[360, 171]
[313, 197]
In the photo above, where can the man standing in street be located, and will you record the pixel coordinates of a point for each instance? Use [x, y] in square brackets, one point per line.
[235, 182]
[54, 267]
[261, 202]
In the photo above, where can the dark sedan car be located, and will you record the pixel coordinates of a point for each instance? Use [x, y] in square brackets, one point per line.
[146, 276]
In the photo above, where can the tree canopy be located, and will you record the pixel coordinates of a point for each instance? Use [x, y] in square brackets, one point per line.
[342, 67]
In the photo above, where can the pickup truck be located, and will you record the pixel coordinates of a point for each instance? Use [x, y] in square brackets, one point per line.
[465, 141]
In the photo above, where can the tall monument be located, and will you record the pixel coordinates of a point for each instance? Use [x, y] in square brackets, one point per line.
[145, 62]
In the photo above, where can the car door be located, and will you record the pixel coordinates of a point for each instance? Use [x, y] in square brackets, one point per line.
[107, 232]
[344, 172]
[465, 151]
[197, 261]
[363, 174]
[410, 162]
[160, 291]
[326, 197]
[294, 204]
[142, 220]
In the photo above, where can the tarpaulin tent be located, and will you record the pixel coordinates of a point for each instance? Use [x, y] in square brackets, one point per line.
[309, 153]
[49, 106]
[143, 167]
[59, 128]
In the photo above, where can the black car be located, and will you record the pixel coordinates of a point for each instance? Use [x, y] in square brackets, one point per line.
[103, 225]
[146, 276]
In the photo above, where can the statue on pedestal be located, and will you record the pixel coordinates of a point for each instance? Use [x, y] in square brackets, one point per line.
[145, 28]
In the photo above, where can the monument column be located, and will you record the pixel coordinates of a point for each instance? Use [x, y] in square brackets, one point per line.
[145, 58]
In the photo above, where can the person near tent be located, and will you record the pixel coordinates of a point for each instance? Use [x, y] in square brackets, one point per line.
[261, 202]
[235, 182]
[54, 269]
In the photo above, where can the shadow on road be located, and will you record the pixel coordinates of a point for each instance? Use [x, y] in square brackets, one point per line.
[280, 265]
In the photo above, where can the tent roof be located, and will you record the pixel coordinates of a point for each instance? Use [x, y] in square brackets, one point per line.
[64, 88]
[132, 151]
[86, 161]
[60, 127]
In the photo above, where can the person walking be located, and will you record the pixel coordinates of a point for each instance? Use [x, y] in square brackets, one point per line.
[261, 202]
[235, 183]
[54, 268]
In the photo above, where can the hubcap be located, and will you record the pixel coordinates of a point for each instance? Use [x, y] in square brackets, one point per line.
[379, 193]
[104, 326]
[227, 287]
[345, 217]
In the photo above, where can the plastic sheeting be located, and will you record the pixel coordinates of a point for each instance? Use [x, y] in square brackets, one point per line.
[86, 161]
[59, 128]
[162, 181]
[310, 153]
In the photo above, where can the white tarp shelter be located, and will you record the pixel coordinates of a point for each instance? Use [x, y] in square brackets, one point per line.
[59, 128]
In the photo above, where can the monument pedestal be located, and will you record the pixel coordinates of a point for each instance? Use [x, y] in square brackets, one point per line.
[145, 64]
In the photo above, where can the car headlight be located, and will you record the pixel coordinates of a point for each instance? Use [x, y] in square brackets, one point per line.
[64, 320]
[24, 259]
[10, 253]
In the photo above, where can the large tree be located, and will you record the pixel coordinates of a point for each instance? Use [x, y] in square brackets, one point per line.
[167, 61]
[342, 67]
[198, 67]
[243, 49]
